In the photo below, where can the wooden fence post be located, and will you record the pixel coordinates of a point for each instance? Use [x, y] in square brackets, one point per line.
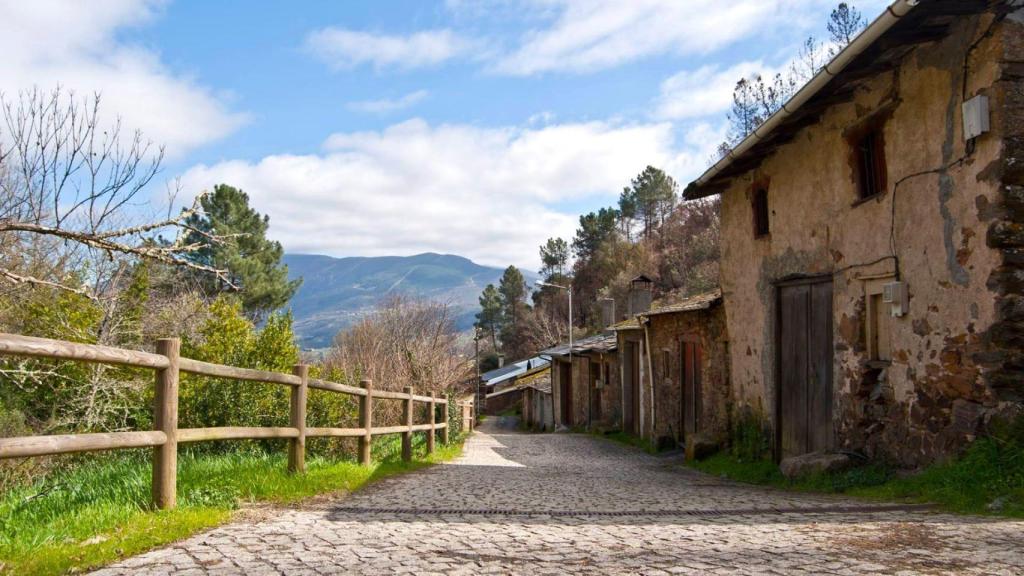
[433, 420]
[165, 419]
[407, 435]
[297, 446]
[447, 421]
[366, 422]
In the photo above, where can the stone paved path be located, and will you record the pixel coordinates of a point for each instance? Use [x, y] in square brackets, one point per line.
[556, 504]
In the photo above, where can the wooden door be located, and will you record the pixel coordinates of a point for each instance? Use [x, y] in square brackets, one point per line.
[691, 386]
[595, 392]
[805, 354]
[631, 389]
[565, 392]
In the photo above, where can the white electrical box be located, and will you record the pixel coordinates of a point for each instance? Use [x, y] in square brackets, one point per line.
[895, 295]
[976, 121]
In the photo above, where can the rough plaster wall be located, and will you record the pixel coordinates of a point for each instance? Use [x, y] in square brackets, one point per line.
[581, 395]
[907, 412]
[499, 404]
[556, 389]
[611, 400]
[667, 332]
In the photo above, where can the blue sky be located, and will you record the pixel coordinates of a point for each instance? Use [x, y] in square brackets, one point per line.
[472, 127]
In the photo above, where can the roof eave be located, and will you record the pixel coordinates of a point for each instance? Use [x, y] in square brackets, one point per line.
[706, 186]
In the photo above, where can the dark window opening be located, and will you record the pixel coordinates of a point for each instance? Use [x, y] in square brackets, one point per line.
[760, 212]
[870, 153]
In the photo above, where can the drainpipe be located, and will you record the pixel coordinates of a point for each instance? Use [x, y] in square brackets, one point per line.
[650, 374]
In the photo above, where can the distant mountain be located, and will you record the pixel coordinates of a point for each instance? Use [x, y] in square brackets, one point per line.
[337, 292]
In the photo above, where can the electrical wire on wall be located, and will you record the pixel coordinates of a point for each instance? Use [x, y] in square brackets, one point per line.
[969, 150]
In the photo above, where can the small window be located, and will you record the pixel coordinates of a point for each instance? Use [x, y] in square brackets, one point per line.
[760, 205]
[879, 326]
[869, 150]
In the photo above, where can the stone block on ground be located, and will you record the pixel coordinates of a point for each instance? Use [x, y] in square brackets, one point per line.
[699, 447]
[814, 463]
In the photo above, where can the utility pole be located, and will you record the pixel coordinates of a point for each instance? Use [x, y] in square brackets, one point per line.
[568, 289]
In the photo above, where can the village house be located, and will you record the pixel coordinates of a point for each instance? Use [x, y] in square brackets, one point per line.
[689, 372]
[502, 388]
[584, 383]
[538, 403]
[675, 375]
[872, 235]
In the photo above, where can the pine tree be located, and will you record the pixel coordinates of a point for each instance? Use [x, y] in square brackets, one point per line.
[252, 261]
[595, 228]
[655, 193]
[554, 257]
[844, 24]
[489, 318]
[512, 288]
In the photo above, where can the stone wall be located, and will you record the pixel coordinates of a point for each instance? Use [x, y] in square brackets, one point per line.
[498, 404]
[1006, 228]
[666, 333]
[956, 229]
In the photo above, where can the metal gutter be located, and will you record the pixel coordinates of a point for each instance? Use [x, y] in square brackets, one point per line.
[873, 32]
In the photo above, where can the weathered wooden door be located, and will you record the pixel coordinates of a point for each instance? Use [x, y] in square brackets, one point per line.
[805, 355]
[631, 389]
[691, 385]
[595, 392]
[565, 392]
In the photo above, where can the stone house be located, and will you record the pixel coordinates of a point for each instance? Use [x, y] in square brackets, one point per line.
[500, 389]
[872, 230]
[635, 398]
[675, 371]
[538, 404]
[689, 369]
[584, 383]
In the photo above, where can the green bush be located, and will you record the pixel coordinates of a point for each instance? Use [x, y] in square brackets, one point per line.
[749, 440]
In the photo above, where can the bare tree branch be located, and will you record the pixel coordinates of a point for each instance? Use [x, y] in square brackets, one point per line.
[64, 175]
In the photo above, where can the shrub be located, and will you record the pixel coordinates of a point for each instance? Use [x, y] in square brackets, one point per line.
[749, 440]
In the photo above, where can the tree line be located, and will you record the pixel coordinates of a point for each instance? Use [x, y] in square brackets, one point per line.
[649, 231]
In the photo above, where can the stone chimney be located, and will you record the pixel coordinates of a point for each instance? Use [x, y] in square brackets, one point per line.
[607, 312]
[641, 289]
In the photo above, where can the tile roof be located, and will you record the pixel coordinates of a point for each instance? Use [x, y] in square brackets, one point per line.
[627, 324]
[514, 370]
[540, 380]
[690, 304]
[596, 343]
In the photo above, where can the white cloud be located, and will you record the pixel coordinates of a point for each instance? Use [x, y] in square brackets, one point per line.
[387, 105]
[343, 48]
[46, 43]
[590, 35]
[702, 92]
[490, 194]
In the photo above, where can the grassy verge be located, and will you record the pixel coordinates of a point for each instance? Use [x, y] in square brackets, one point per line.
[99, 512]
[628, 439]
[987, 479]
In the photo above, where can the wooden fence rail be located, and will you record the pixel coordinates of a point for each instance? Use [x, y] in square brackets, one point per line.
[168, 365]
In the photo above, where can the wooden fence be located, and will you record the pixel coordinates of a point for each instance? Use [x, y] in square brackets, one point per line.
[164, 439]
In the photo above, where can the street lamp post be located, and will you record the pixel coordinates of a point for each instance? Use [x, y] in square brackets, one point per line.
[569, 290]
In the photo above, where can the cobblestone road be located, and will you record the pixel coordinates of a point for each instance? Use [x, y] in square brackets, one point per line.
[556, 504]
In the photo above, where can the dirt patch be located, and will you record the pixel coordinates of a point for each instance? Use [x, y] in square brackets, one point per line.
[900, 546]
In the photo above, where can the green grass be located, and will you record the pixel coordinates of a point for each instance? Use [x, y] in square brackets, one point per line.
[628, 439]
[99, 512]
[987, 479]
